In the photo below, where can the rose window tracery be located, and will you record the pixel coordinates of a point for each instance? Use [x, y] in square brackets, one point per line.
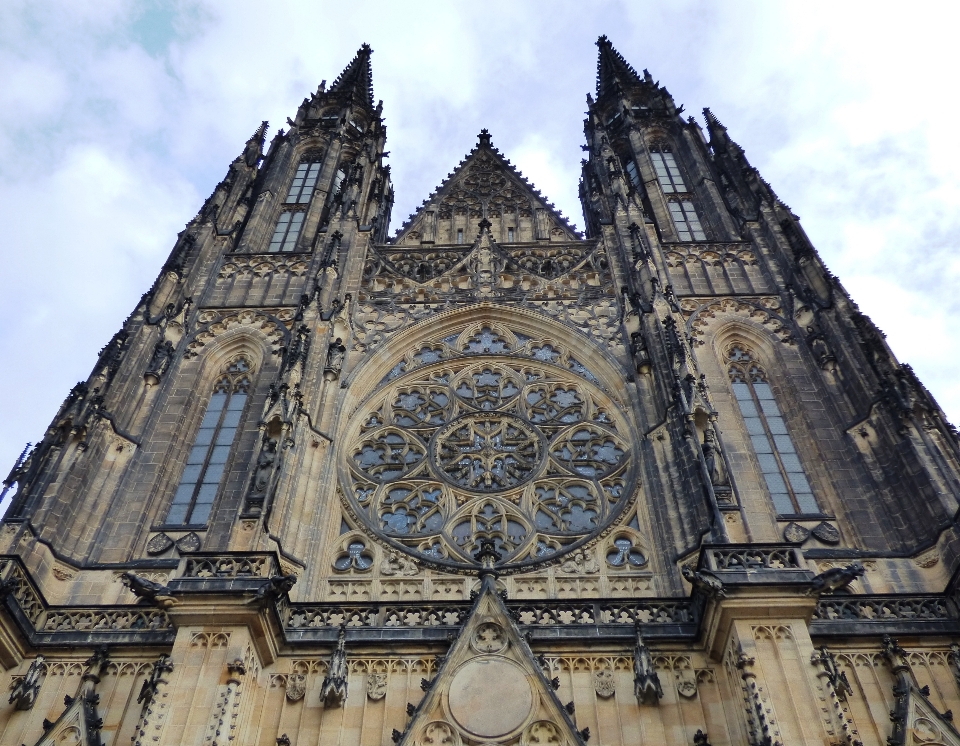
[522, 451]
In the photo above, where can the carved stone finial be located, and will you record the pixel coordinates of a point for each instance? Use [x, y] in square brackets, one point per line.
[333, 691]
[484, 138]
[488, 556]
[26, 689]
[700, 739]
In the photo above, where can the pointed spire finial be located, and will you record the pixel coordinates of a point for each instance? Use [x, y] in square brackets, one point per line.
[612, 68]
[356, 79]
[484, 138]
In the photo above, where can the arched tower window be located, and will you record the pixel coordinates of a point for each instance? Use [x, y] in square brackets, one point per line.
[203, 473]
[287, 230]
[772, 444]
[668, 172]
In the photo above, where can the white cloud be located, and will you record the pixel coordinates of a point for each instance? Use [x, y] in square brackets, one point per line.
[117, 119]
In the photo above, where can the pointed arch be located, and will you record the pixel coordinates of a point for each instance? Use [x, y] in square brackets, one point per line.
[744, 356]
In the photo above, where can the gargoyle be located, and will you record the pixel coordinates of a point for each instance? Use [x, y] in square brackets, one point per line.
[273, 589]
[708, 583]
[835, 579]
[154, 593]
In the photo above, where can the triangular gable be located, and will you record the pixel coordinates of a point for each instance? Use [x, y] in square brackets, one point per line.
[485, 186]
[79, 724]
[490, 688]
[916, 721]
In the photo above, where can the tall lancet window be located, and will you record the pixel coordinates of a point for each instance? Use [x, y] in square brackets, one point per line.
[304, 181]
[778, 459]
[668, 172]
[208, 457]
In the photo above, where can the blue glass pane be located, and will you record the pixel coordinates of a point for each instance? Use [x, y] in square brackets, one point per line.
[807, 503]
[236, 402]
[204, 436]
[191, 474]
[197, 455]
[748, 408]
[207, 493]
[754, 426]
[742, 392]
[775, 484]
[177, 514]
[763, 390]
[219, 455]
[200, 513]
[225, 437]
[212, 417]
[761, 444]
[791, 462]
[777, 425]
[782, 504]
[184, 494]
[799, 482]
[768, 464]
[770, 408]
[213, 474]
[784, 444]
[231, 418]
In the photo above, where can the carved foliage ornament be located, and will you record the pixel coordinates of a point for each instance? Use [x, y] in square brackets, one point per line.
[521, 452]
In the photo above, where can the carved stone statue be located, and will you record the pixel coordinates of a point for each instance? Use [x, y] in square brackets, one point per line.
[333, 691]
[159, 361]
[714, 458]
[26, 689]
[646, 682]
[336, 353]
[265, 462]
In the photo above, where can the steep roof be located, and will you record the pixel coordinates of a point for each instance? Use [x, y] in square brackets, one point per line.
[484, 182]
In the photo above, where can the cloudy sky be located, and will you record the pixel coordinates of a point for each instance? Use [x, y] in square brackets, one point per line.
[117, 118]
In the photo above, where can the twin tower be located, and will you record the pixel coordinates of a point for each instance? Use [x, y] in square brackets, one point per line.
[489, 480]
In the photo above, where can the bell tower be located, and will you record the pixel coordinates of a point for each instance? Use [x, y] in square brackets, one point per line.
[488, 480]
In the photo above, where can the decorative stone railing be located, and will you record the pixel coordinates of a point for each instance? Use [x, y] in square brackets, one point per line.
[91, 625]
[883, 608]
[298, 617]
[752, 557]
[211, 565]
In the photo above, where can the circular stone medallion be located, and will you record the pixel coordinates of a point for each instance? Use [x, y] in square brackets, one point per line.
[490, 697]
[487, 452]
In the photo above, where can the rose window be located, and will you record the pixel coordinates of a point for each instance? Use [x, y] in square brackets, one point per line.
[522, 452]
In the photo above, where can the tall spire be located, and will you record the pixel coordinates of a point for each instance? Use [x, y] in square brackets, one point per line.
[612, 68]
[356, 79]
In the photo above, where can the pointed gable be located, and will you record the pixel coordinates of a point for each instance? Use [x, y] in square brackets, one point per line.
[485, 186]
[490, 688]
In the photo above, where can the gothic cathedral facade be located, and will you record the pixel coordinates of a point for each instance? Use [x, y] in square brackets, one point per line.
[489, 480]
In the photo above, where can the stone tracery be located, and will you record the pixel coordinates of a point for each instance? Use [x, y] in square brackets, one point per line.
[465, 440]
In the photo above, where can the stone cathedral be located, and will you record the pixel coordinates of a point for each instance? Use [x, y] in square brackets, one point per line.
[488, 480]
